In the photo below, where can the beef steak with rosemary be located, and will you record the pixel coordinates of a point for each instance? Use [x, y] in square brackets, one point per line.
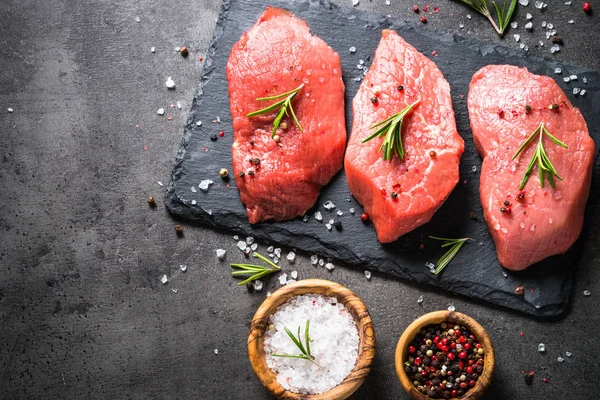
[287, 103]
[403, 154]
[537, 163]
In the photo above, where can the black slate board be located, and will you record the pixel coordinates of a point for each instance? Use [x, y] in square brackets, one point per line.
[475, 272]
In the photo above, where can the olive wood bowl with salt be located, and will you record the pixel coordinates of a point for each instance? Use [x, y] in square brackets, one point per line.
[366, 350]
[437, 317]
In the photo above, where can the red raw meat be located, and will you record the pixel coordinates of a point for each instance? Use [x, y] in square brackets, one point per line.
[433, 147]
[546, 221]
[277, 55]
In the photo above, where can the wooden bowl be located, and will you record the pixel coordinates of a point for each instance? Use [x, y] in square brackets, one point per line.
[366, 351]
[438, 317]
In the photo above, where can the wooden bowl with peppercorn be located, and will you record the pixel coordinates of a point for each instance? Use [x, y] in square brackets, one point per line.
[445, 355]
[356, 313]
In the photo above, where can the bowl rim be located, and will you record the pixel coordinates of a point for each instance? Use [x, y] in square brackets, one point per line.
[438, 317]
[364, 324]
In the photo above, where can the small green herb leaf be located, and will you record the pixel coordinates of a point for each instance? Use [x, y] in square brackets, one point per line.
[391, 128]
[255, 271]
[540, 157]
[284, 106]
[503, 14]
[455, 245]
[305, 351]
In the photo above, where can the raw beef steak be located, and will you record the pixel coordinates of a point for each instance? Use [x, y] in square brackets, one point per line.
[281, 179]
[506, 106]
[402, 194]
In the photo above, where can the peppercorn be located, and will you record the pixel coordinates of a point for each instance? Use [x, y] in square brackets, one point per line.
[152, 201]
[553, 107]
[179, 229]
[519, 290]
[528, 376]
[400, 87]
[586, 7]
[527, 109]
[364, 217]
[374, 100]
[255, 161]
[213, 137]
[473, 216]
[506, 203]
[184, 51]
[242, 174]
[555, 39]
[394, 195]
[252, 142]
[503, 209]
[284, 125]
[276, 138]
[338, 225]
[224, 173]
[423, 19]
[251, 172]
[416, 8]
[432, 154]
[521, 195]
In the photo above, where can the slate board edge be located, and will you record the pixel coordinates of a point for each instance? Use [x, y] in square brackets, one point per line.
[174, 204]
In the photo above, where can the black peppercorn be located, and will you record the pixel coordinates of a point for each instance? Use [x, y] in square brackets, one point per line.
[506, 203]
[527, 109]
[400, 87]
[374, 99]
[251, 172]
[213, 137]
[179, 230]
[338, 225]
[394, 195]
[242, 174]
[502, 210]
[255, 161]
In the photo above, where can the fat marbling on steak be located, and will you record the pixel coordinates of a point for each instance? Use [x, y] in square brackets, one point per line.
[506, 105]
[421, 182]
[282, 179]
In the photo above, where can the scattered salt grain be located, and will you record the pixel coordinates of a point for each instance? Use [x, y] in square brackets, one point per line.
[193, 202]
[504, 274]
[352, 210]
[282, 279]
[198, 123]
[216, 351]
[541, 43]
[314, 259]
[368, 275]
[258, 285]
[276, 260]
[137, 19]
[541, 348]
[560, 359]
[420, 299]
[352, 50]
[321, 262]
[361, 62]
[388, 2]
[461, 25]
[557, 70]
[294, 274]
[586, 293]
[571, 21]
[334, 344]
[355, 2]
[330, 266]
[270, 249]
[524, 3]
[218, 119]
[249, 240]
[568, 354]
[573, 77]
[549, 26]
[203, 185]
[164, 279]
[305, 218]
[514, 24]
[291, 257]
[254, 246]
[152, 49]
[582, 93]
[318, 216]
[161, 111]
[567, 79]
[339, 212]
[268, 294]
[183, 267]
[468, 16]
[529, 26]
[554, 49]
[576, 90]
[241, 245]
[174, 290]
[10, 110]
[328, 205]
[328, 226]
[177, 49]
[584, 79]
[221, 254]
[568, 3]
[236, 237]
[528, 16]
[522, 45]
[474, 168]
[277, 252]
[193, 189]
[159, 183]
[517, 37]
[179, 105]
[170, 83]
[451, 307]
[544, 24]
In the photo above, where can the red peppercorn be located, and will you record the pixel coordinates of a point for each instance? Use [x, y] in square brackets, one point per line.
[545, 380]
[452, 345]
[426, 8]
[471, 383]
[519, 290]
[424, 372]
[423, 19]
[454, 393]
[470, 369]
[462, 339]
[471, 362]
[467, 346]
[411, 349]
[587, 7]
[364, 217]
[462, 354]
[463, 385]
[445, 349]
[520, 334]
[418, 361]
[445, 341]
[478, 345]
[501, 113]
[221, 133]
[436, 339]
[450, 356]
[457, 332]
[449, 373]
[416, 8]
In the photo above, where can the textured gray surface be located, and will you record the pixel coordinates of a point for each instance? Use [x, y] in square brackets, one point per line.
[82, 311]
[475, 271]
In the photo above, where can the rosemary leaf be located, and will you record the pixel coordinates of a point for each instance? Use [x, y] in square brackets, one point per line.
[255, 271]
[305, 351]
[503, 15]
[284, 106]
[448, 256]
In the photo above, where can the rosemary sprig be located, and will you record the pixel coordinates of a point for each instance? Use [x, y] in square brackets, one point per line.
[391, 128]
[304, 350]
[255, 271]
[444, 260]
[545, 167]
[503, 14]
[285, 108]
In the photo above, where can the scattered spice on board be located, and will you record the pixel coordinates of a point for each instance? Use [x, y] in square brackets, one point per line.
[528, 376]
[519, 290]
[179, 230]
[444, 360]
[151, 201]
[184, 51]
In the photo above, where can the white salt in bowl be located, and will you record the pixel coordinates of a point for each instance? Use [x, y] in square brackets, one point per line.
[364, 325]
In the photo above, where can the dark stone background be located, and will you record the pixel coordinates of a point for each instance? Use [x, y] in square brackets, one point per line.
[82, 311]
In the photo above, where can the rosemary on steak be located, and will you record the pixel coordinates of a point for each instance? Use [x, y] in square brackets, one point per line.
[503, 14]
[391, 128]
[455, 245]
[285, 108]
[304, 349]
[255, 271]
[545, 167]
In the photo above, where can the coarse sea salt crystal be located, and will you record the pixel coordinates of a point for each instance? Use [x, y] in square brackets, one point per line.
[451, 307]
[352, 50]
[276, 260]
[291, 257]
[198, 123]
[193, 189]
[334, 343]
[305, 218]
[576, 90]
[584, 79]
[183, 267]
[277, 252]
[567, 79]
[388, 2]
[504, 274]
[573, 77]
[528, 16]
[560, 359]
[193, 202]
[170, 83]
[290, 281]
[461, 25]
[153, 49]
[161, 111]
[282, 279]
[420, 299]
[368, 275]
[529, 26]
[568, 3]
[582, 93]
[258, 285]
[524, 3]
[328, 205]
[549, 25]
[541, 348]
[352, 211]
[514, 24]
[241, 245]
[270, 249]
[587, 293]
[221, 254]
[236, 237]
[539, 5]
[203, 185]
[314, 259]
[557, 70]
[254, 246]
[339, 212]
[321, 262]
[216, 351]
[554, 49]
[355, 2]
[330, 266]
[571, 21]
[568, 354]
[164, 280]
[328, 226]
[517, 37]
[544, 24]
[318, 216]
